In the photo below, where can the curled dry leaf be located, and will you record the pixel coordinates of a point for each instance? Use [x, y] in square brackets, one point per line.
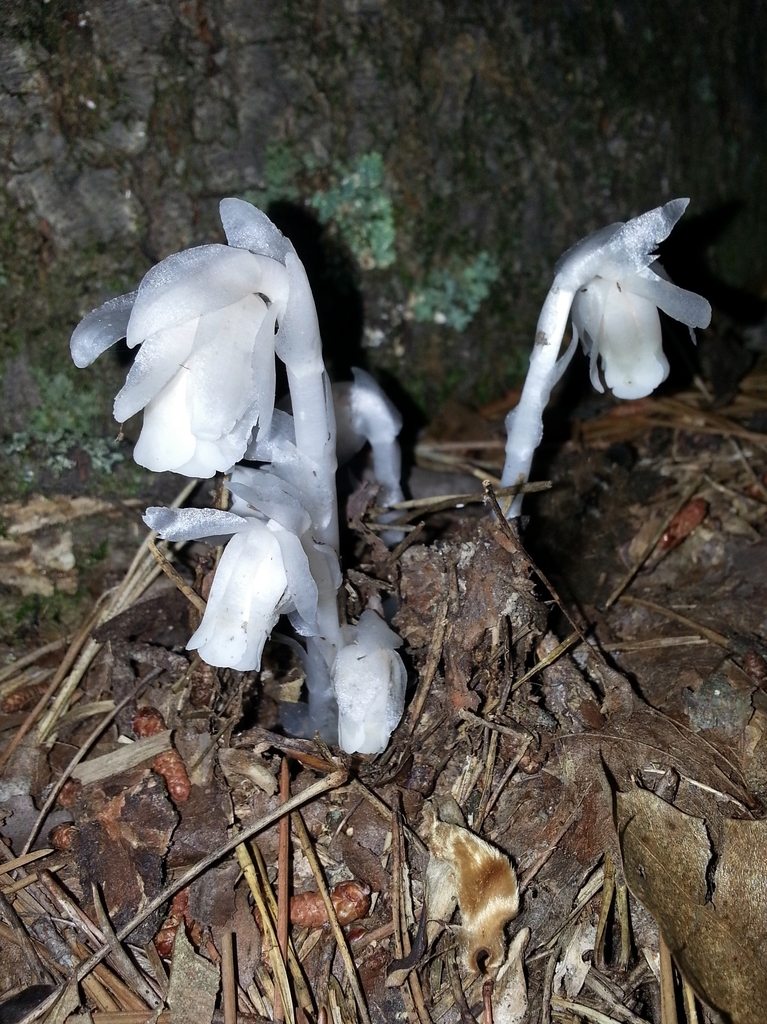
[247, 764]
[716, 928]
[350, 899]
[62, 837]
[178, 914]
[683, 523]
[572, 969]
[467, 872]
[149, 721]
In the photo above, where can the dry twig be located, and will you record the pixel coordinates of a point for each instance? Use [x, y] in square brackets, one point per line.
[343, 948]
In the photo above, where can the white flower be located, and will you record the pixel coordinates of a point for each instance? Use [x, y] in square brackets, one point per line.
[609, 280]
[369, 682]
[623, 330]
[205, 320]
[263, 573]
[618, 294]
[620, 287]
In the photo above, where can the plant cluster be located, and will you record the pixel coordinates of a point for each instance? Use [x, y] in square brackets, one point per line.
[209, 323]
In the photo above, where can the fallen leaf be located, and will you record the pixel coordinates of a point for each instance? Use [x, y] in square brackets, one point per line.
[717, 933]
[466, 871]
[572, 969]
[125, 824]
[250, 765]
[194, 984]
[510, 992]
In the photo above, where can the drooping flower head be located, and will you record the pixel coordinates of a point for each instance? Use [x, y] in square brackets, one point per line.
[206, 321]
[208, 324]
[615, 312]
[263, 573]
[612, 285]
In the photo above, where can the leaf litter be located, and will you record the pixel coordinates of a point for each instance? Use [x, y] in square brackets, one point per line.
[612, 767]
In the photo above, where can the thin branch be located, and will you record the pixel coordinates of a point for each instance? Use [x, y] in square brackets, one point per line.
[343, 948]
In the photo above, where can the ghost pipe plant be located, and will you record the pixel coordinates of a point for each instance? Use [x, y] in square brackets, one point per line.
[205, 320]
[210, 322]
[365, 414]
[614, 287]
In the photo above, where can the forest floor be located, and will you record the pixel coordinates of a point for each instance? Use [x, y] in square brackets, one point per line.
[587, 695]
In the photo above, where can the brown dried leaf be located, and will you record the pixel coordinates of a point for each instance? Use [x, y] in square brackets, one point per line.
[466, 871]
[125, 824]
[510, 990]
[719, 941]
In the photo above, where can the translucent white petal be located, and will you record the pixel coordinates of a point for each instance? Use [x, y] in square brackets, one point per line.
[182, 524]
[247, 227]
[211, 457]
[159, 358]
[280, 429]
[209, 627]
[302, 590]
[221, 384]
[276, 499]
[166, 440]
[326, 571]
[638, 238]
[629, 345]
[619, 249]
[263, 371]
[100, 329]
[244, 602]
[588, 310]
[596, 383]
[191, 283]
[306, 480]
[686, 307]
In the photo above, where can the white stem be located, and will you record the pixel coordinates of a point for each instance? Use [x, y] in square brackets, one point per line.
[524, 424]
[315, 427]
